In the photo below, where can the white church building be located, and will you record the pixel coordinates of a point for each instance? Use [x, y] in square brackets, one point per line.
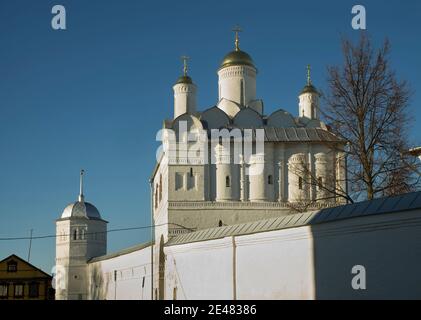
[247, 205]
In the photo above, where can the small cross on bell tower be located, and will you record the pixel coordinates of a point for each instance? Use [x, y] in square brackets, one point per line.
[185, 66]
[237, 30]
[81, 196]
[308, 75]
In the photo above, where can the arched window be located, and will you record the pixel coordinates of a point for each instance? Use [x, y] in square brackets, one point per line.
[75, 234]
[174, 294]
[191, 172]
[160, 187]
[300, 183]
[82, 234]
[227, 182]
[156, 196]
[270, 179]
[242, 92]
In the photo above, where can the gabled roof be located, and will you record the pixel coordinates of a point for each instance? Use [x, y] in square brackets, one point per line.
[15, 257]
[406, 202]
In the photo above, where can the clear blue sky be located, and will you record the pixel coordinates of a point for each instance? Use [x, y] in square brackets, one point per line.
[95, 95]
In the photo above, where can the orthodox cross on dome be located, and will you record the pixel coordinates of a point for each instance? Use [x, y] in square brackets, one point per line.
[81, 196]
[237, 30]
[308, 75]
[185, 67]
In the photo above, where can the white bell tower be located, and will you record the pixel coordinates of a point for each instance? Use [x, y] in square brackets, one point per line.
[237, 79]
[309, 100]
[184, 93]
[81, 234]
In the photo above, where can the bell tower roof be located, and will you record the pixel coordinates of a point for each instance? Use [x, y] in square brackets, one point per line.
[237, 56]
[80, 208]
[309, 88]
[184, 78]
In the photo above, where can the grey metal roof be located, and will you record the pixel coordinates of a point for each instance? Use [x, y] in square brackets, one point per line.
[406, 202]
[292, 134]
[121, 252]
[299, 134]
[81, 209]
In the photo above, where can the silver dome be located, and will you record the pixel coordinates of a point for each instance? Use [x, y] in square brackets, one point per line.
[81, 209]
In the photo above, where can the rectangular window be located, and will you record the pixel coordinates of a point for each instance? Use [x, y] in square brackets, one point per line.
[12, 266]
[191, 180]
[156, 196]
[34, 290]
[227, 182]
[191, 183]
[3, 290]
[178, 181]
[18, 290]
[270, 179]
[300, 183]
[242, 92]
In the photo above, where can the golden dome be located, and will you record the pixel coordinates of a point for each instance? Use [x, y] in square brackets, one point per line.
[184, 79]
[309, 88]
[237, 58]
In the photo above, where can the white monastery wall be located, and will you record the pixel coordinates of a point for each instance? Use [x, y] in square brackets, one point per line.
[303, 263]
[125, 277]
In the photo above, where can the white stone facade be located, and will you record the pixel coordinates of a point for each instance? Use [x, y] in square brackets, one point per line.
[237, 84]
[184, 99]
[81, 235]
[77, 241]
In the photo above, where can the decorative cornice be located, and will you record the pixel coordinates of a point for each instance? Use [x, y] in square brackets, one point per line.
[184, 88]
[194, 205]
[320, 157]
[237, 71]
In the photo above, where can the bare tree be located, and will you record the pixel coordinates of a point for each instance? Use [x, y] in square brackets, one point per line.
[328, 188]
[366, 105]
